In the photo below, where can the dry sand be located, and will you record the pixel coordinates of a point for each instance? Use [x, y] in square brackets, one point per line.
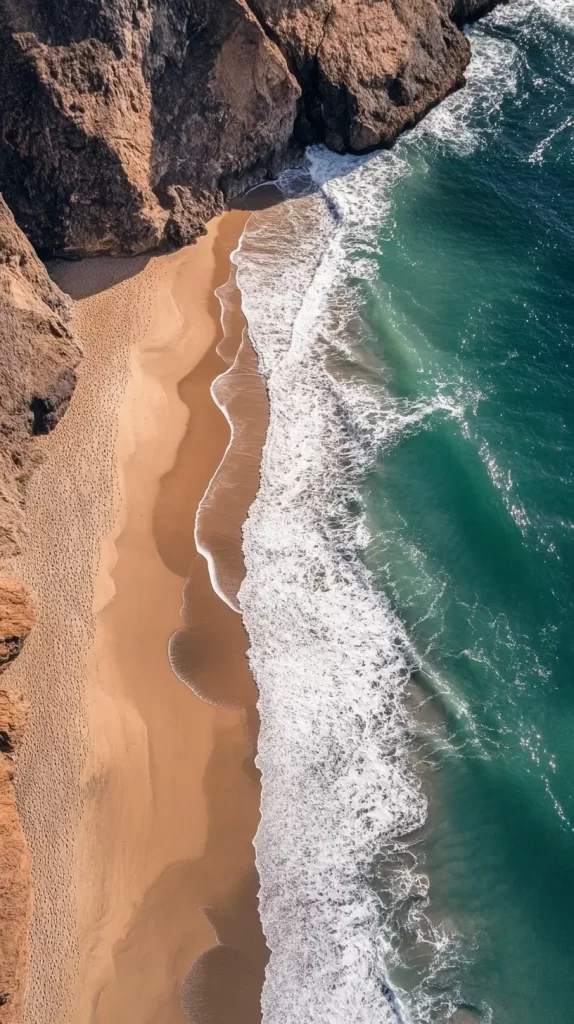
[140, 801]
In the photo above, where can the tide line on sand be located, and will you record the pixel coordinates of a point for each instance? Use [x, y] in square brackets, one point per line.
[139, 801]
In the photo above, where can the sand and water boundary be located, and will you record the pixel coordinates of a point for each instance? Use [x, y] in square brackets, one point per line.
[139, 800]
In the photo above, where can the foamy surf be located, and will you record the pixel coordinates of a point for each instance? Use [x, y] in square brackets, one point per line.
[339, 787]
[343, 900]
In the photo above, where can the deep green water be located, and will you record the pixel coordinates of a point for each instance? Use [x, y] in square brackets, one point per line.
[471, 507]
[410, 557]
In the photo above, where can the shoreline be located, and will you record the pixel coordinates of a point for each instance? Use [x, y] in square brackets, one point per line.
[138, 848]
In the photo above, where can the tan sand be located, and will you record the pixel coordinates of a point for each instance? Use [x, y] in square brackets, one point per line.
[139, 800]
[241, 394]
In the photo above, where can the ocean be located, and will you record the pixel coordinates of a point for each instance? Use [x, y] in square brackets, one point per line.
[410, 556]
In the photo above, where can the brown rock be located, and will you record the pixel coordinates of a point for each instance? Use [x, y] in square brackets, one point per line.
[16, 620]
[115, 117]
[39, 356]
[126, 123]
[15, 898]
[86, 138]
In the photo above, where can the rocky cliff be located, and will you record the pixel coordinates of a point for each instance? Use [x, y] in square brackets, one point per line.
[37, 377]
[16, 619]
[39, 355]
[125, 124]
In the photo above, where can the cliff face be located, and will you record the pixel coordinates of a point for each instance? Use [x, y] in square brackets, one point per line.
[39, 354]
[37, 377]
[127, 123]
[124, 123]
[369, 69]
[16, 618]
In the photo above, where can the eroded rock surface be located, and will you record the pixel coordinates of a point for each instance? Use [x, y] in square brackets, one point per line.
[123, 123]
[369, 68]
[37, 376]
[16, 620]
[126, 123]
[37, 369]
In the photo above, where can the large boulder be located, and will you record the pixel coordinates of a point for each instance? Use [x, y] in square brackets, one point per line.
[125, 124]
[369, 68]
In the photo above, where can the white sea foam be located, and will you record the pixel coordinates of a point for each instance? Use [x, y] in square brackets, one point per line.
[340, 791]
[467, 118]
[336, 785]
[544, 12]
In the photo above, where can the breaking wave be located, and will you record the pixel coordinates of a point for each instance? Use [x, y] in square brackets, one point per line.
[344, 906]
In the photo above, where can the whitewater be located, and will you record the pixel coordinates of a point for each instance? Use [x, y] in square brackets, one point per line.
[344, 903]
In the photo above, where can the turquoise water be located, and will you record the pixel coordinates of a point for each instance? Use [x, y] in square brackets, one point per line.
[410, 557]
[471, 513]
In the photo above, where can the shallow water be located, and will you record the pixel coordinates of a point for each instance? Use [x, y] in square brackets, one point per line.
[410, 554]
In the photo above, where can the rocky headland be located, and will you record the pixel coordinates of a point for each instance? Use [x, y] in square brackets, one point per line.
[125, 125]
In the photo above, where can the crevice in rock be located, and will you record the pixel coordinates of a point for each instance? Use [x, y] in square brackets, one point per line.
[5, 748]
[42, 413]
[270, 33]
[324, 30]
[312, 100]
[309, 124]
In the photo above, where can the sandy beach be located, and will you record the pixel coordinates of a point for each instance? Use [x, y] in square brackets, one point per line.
[139, 800]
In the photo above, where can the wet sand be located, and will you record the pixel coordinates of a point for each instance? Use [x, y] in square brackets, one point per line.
[140, 801]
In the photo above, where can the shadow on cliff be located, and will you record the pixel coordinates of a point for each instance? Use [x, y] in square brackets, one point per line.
[103, 272]
[97, 274]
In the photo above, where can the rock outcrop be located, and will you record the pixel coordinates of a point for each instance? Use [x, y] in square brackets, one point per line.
[16, 620]
[125, 124]
[39, 356]
[368, 68]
